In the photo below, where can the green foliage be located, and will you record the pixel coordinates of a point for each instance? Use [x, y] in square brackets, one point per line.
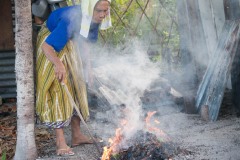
[4, 155]
[122, 28]
[157, 27]
[116, 156]
[156, 58]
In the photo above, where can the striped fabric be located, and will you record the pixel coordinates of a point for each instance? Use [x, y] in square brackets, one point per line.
[52, 103]
[60, 124]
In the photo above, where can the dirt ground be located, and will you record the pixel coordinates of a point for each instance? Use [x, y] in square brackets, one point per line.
[202, 140]
[218, 140]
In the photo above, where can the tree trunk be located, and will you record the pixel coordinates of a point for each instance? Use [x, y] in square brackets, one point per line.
[26, 146]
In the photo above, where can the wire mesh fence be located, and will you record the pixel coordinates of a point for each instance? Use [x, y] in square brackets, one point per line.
[153, 22]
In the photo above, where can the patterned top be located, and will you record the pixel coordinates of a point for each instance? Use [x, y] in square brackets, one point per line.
[64, 24]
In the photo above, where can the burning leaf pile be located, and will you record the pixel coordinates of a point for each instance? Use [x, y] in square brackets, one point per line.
[146, 146]
[150, 143]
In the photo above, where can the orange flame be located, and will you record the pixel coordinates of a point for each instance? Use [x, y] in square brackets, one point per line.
[113, 145]
[154, 129]
[106, 153]
[149, 116]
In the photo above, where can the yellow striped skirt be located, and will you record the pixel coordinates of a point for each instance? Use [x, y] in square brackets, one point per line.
[52, 103]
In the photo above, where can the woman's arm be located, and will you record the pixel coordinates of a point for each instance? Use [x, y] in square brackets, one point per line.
[60, 71]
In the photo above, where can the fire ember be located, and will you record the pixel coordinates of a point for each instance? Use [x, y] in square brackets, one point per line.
[150, 143]
[145, 146]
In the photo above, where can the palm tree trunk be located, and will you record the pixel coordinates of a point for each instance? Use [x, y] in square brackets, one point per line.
[26, 146]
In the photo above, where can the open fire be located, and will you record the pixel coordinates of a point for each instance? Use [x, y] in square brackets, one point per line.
[113, 145]
[151, 144]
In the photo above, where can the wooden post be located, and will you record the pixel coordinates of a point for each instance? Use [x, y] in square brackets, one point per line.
[199, 47]
[212, 15]
[232, 12]
[193, 49]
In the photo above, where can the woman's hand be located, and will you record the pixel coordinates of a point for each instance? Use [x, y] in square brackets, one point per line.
[59, 68]
[60, 71]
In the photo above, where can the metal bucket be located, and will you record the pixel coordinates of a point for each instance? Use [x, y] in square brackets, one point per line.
[41, 9]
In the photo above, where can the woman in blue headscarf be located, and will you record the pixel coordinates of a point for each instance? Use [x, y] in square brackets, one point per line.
[67, 31]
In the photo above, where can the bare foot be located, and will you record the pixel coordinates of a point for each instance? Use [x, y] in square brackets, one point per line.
[77, 137]
[62, 148]
[81, 139]
[67, 151]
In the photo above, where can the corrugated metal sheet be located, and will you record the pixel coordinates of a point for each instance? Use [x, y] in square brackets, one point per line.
[7, 74]
[7, 68]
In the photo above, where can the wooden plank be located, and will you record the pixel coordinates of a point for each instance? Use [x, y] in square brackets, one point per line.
[213, 18]
[192, 39]
[6, 27]
[193, 50]
[218, 14]
[199, 46]
[189, 69]
[212, 87]
[232, 9]
[204, 84]
[209, 26]
[185, 22]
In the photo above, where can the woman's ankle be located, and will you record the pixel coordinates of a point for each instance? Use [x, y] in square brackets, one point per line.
[60, 139]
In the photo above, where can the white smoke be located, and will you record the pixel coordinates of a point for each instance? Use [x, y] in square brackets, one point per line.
[124, 75]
